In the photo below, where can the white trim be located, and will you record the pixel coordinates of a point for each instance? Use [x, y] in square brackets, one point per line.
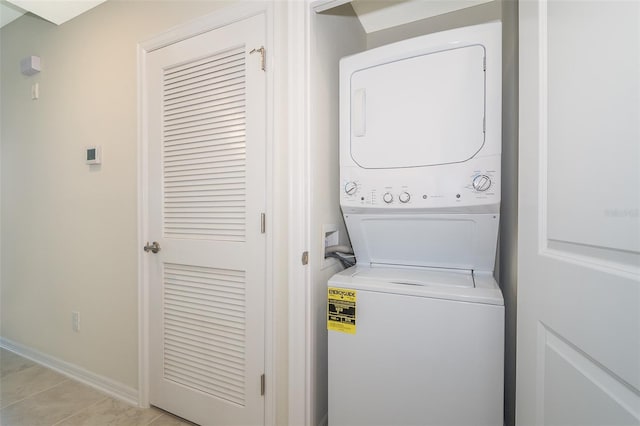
[103, 384]
[299, 275]
[219, 18]
[628, 271]
[143, 233]
[324, 5]
[609, 383]
[543, 127]
[270, 360]
[216, 19]
[541, 333]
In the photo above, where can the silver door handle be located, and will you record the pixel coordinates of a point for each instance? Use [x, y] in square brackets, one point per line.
[154, 247]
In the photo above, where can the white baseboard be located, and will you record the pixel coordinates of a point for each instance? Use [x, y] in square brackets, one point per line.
[103, 384]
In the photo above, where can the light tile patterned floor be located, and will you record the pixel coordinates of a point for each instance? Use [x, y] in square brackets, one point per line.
[32, 395]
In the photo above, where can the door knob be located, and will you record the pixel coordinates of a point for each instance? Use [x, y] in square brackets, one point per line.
[154, 247]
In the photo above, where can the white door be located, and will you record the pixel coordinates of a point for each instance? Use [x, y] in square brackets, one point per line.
[206, 118]
[578, 349]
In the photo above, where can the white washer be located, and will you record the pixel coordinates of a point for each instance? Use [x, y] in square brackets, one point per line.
[427, 349]
[421, 340]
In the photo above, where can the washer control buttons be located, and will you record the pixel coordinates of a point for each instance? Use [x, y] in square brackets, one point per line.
[404, 197]
[481, 183]
[387, 197]
[350, 188]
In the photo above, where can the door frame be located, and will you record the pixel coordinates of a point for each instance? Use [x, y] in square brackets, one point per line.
[298, 128]
[225, 16]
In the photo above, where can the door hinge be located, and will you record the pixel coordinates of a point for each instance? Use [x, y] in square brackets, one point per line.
[263, 57]
[262, 385]
[305, 257]
[263, 223]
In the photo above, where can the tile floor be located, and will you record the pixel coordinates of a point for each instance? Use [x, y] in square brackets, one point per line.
[32, 395]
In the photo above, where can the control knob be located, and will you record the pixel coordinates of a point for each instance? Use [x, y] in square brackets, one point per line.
[404, 197]
[387, 197]
[350, 188]
[481, 183]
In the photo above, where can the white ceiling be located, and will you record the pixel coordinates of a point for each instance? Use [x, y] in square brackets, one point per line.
[56, 11]
[382, 14]
[9, 12]
[374, 15]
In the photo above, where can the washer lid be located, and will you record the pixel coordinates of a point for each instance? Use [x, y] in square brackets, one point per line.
[433, 283]
[420, 111]
[425, 277]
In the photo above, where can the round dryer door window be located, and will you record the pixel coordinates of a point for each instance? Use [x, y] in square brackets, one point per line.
[420, 111]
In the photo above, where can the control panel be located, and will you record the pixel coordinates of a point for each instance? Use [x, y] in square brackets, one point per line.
[421, 188]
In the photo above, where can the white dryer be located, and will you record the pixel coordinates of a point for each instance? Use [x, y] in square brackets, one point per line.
[416, 329]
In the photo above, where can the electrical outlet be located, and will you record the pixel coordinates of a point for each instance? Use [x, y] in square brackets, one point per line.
[75, 321]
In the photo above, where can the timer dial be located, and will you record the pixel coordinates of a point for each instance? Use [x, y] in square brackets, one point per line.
[350, 188]
[481, 183]
[404, 197]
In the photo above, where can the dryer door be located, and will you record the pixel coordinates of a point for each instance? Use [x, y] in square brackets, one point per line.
[420, 111]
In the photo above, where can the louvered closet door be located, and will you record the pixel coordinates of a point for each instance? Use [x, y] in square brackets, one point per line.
[206, 131]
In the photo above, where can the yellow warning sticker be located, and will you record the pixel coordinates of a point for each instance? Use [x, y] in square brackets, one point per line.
[341, 310]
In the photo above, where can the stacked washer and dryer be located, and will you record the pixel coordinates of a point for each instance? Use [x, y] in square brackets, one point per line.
[419, 335]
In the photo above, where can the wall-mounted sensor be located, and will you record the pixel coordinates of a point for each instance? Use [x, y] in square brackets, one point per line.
[30, 65]
[94, 155]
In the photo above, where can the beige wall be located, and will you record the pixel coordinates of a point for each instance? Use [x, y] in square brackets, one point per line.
[69, 231]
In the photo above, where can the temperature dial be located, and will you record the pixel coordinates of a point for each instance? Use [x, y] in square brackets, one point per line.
[387, 197]
[481, 183]
[404, 197]
[350, 188]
